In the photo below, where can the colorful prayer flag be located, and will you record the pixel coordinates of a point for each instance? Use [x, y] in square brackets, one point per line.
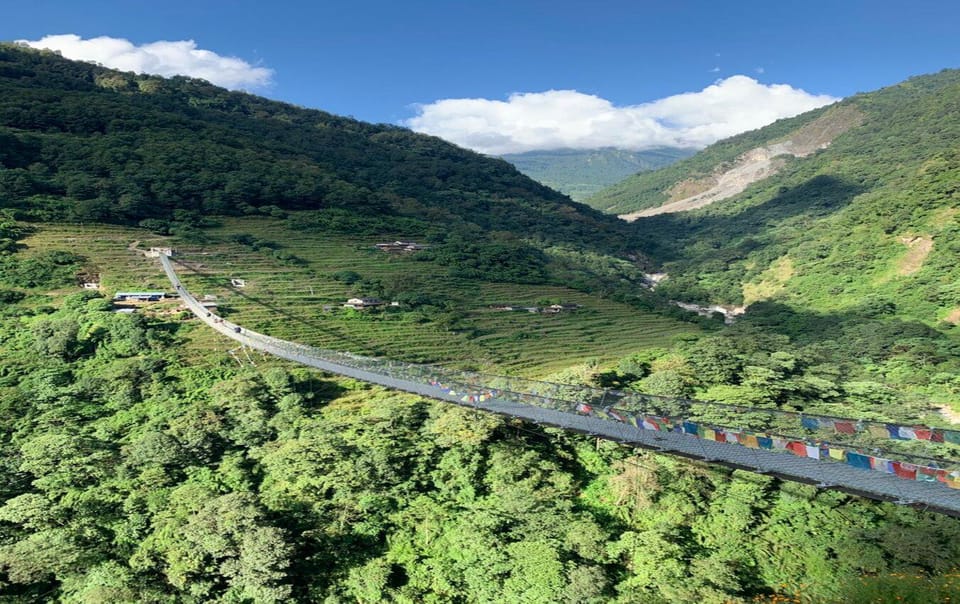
[878, 430]
[844, 427]
[923, 433]
[765, 442]
[925, 474]
[813, 451]
[583, 408]
[905, 470]
[810, 423]
[837, 453]
[688, 427]
[858, 460]
[797, 448]
[906, 433]
[951, 436]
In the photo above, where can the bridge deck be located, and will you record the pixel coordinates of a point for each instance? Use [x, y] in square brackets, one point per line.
[876, 485]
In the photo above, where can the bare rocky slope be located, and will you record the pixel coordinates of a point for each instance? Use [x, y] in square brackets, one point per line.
[754, 165]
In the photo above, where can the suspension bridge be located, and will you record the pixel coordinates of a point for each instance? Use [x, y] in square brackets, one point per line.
[909, 465]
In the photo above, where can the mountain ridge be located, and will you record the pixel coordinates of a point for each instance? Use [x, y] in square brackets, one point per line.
[842, 217]
[580, 173]
[82, 142]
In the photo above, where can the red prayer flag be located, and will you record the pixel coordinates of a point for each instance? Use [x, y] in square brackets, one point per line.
[937, 436]
[797, 448]
[845, 427]
[923, 433]
[905, 470]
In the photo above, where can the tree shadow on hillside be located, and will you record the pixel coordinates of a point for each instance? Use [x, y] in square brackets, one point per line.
[809, 326]
[668, 237]
[869, 333]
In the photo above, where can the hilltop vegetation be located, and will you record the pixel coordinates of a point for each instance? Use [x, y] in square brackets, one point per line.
[582, 173]
[88, 144]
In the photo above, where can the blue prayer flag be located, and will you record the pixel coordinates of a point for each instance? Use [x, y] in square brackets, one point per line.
[894, 431]
[858, 460]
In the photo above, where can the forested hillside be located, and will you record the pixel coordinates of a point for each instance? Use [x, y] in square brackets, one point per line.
[653, 188]
[85, 143]
[582, 173]
[852, 248]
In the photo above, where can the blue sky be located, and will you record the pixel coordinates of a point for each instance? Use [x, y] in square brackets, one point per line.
[385, 60]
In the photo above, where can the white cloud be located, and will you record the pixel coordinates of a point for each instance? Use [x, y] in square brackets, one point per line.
[166, 58]
[558, 119]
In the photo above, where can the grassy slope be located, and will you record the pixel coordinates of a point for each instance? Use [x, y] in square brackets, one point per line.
[287, 300]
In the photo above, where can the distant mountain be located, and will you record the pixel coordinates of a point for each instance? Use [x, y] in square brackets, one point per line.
[580, 173]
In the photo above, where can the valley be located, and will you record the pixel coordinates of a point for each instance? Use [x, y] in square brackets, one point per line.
[145, 458]
[440, 319]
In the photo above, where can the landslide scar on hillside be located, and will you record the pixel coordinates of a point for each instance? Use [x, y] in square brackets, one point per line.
[755, 165]
[918, 248]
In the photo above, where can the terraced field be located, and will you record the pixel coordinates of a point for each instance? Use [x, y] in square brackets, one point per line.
[301, 300]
